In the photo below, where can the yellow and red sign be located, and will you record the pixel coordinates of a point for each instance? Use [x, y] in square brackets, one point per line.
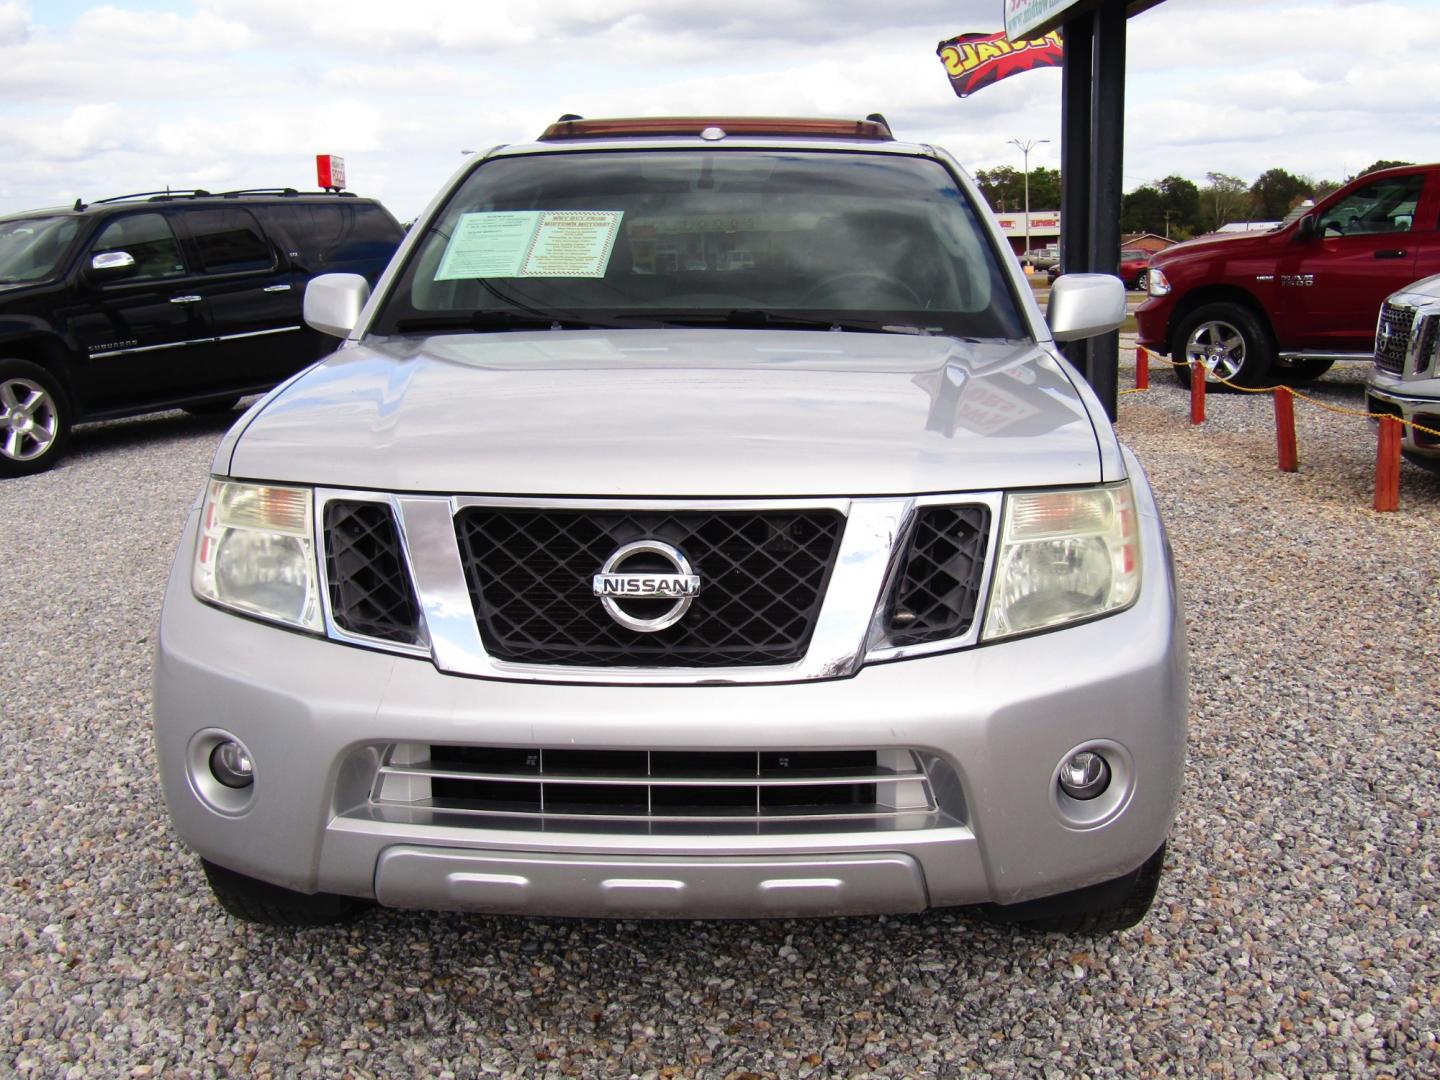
[974, 61]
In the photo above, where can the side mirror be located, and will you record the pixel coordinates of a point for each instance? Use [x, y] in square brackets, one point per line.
[1306, 230]
[112, 264]
[333, 303]
[1085, 305]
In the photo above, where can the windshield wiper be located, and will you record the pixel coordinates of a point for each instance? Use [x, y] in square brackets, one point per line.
[490, 320]
[759, 317]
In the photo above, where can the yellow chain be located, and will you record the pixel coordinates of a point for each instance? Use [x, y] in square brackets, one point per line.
[1411, 424]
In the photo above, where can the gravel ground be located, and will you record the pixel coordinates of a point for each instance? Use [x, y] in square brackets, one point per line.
[1295, 933]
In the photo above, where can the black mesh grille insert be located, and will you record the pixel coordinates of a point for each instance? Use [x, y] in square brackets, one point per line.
[370, 590]
[1427, 328]
[939, 588]
[762, 573]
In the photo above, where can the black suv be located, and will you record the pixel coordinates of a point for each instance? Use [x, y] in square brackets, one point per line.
[164, 300]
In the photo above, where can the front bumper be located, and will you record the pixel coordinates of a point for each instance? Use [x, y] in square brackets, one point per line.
[1152, 321]
[1416, 401]
[993, 722]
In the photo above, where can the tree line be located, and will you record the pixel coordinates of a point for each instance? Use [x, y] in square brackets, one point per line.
[1174, 207]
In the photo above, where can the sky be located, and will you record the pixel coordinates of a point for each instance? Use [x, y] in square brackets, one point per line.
[139, 95]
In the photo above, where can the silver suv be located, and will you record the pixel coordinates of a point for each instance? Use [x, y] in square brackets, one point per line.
[1405, 380]
[698, 520]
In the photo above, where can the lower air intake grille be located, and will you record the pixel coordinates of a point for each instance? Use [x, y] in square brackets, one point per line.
[762, 573]
[939, 588]
[370, 590]
[654, 785]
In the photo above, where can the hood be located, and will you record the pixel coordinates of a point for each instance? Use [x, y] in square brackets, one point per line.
[1217, 244]
[703, 413]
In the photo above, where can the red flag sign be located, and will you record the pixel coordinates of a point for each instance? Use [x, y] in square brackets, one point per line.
[977, 60]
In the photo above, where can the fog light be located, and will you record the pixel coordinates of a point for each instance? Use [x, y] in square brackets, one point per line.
[1085, 776]
[230, 764]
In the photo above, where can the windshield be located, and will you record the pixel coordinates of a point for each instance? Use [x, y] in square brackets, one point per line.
[714, 237]
[31, 248]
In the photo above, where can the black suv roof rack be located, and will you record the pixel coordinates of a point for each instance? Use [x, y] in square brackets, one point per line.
[284, 192]
[190, 193]
[201, 193]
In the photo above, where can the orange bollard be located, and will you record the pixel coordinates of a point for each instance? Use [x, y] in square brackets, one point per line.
[1387, 465]
[1142, 368]
[1197, 392]
[1285, 429]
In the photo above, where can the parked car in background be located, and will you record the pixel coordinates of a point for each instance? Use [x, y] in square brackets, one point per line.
[701, 522]
[1284, 305]
[1405, 379]
[1042, 258]
[164, 300]
[1135, 268]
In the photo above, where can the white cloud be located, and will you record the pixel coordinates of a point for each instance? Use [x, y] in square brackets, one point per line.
[14, 24]
[229, 93]
[108, 31]
[376, 26]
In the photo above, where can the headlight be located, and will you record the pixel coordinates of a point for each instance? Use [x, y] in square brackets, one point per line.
[256, 552]
[1159, 283]
[1064, 556]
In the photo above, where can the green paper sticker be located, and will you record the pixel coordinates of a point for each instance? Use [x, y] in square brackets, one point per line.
[531, 243]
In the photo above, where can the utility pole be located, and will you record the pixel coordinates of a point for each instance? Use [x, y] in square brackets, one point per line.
[1025, 149]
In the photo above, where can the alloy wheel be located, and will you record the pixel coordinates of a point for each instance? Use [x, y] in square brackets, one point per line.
[29, 422]
[1220, 346]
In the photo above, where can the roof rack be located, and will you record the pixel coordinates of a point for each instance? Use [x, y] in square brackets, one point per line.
[570, 126]
[257, 191]
[200, 193]
[285, 192]
[191, 193]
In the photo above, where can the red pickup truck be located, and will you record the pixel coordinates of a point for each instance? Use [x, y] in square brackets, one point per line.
[1283, 305]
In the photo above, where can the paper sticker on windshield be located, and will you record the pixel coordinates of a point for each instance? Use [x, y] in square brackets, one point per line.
[531, 243]
[488, 245]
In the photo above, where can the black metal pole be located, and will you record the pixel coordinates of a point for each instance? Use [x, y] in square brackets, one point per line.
[1075, 115]
[1107, 133]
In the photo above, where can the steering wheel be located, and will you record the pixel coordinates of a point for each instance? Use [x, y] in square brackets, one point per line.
[862, 285]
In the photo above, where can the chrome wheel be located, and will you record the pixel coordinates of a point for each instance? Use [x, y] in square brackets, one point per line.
[1219, 346]
[29, 421]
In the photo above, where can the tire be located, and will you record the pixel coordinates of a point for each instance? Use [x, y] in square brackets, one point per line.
[1424, 461]
[213, 408]
[1142, 281]
[1302, 371]
[255, 901]
[1229, 339]
[34, 418]
[1097, 909]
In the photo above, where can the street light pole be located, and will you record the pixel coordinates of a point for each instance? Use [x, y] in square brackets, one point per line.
[1025, 149]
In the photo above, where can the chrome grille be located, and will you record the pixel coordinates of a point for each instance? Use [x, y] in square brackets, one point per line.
[1392, 336]
[763, 574]
[486, 783]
